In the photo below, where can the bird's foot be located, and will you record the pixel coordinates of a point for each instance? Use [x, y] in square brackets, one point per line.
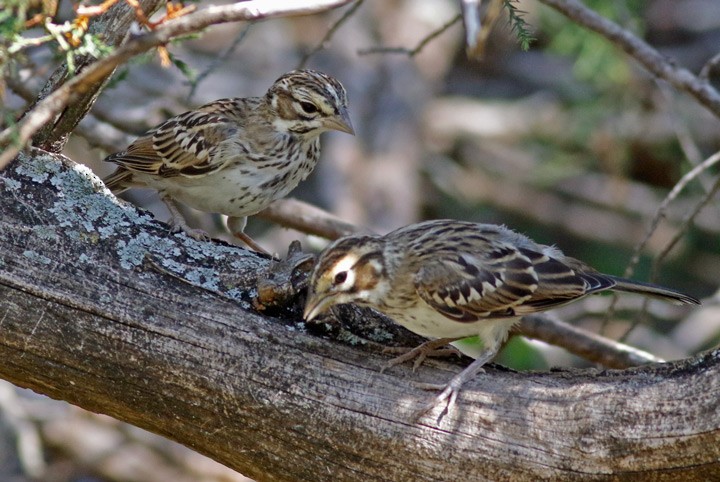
[197, 234]
[430, 348]
[178, 225]
[450, 391]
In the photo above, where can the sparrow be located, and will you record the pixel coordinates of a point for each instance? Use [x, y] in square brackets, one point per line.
[448, 280]
[236, 156]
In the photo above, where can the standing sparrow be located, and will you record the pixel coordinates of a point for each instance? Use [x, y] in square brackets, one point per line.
[448, 280]
[236, 156]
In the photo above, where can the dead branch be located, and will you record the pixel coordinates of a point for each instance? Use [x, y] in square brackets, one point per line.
[85, 320]
[418, 48]
[329, 34]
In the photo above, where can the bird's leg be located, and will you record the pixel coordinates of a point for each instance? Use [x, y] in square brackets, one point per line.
[429, 348]
[236, 226]
[450, 391]
[177, 221]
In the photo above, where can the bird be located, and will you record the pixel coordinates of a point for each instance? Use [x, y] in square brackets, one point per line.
[235, 156]
[448, 280]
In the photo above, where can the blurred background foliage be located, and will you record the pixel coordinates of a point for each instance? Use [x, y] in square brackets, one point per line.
[570, 142]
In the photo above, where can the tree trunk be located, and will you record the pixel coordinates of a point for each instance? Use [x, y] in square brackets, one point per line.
[95, 312]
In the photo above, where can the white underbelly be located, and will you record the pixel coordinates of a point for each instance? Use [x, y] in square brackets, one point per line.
[228, 192]
[425, 321]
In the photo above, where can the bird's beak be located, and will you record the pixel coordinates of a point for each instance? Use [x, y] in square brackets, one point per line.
[340, 122]
[315, 305]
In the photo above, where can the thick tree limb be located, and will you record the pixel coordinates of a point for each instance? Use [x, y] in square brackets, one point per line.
[86, 317]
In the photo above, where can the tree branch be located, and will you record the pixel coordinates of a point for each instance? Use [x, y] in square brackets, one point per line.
[114, 26]
[86, 319]
[294, 214]
[647, 56]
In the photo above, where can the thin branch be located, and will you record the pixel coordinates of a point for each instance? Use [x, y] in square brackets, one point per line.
[710, 67]
[662, 208]
[329, 34]
[477, 32]
[303, 217]
[414, 51]
[16, 137]
[589, 346]
[20, 88]
[646, 55]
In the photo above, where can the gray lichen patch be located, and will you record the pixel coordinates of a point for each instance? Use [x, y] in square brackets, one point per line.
[81, 204]
[74, 212]
[32, 255]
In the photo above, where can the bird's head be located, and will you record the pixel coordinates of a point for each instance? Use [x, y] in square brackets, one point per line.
[350, 270]
[308, 102]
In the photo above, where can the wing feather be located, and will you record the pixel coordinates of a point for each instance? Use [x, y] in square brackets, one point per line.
[505, 282]
[184, 145]
[466, 287]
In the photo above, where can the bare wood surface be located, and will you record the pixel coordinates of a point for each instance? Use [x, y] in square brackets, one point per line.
[86, 318]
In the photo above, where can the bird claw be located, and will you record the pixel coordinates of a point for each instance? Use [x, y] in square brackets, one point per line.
[420, 353]
[197, 234]
[450, 391]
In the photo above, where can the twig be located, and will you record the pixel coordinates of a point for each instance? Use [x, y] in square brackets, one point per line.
[660, 212]
[19, 88]
[646, 55]
[589, 346]
[477, 34]
[15, 137]
[328, 35]
[709, 67]
[295, 214]
[414, 51]
[473, 26]
[687, 144]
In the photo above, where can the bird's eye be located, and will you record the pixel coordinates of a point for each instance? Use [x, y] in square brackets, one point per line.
[340, 277]
[309, 107]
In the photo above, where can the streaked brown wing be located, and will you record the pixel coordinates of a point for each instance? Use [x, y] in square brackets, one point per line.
[467, 287]
[560, 281]
[181, 146]
[504, 282]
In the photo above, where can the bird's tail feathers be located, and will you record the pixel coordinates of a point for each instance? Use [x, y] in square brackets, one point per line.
[119, 181]
[649, 289]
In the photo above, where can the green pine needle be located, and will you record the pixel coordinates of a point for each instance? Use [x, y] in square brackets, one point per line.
[518, 25]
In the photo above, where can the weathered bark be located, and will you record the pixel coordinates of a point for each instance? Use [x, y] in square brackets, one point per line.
[91, 314]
